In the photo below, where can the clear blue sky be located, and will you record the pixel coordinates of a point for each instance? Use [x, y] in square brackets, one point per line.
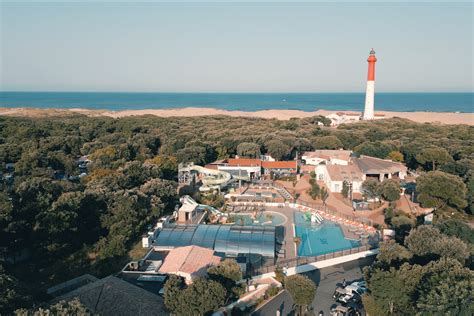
[235, 47]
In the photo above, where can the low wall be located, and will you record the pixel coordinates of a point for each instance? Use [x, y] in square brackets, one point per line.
[330, 262]
[321, 264]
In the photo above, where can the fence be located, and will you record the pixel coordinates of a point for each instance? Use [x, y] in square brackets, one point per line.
[320, 206]
[298, 261]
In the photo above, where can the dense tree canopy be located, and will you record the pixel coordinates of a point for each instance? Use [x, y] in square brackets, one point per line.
[11, 294]
[248, 150]
[433, 156]
[277, 149]
[327, 142]
[227, 273]
[441, 190]
[427, 277]
[371, 189]
[199, 298]
[390, 190]
[428, 241]
[374, 149]
[86, 222]
[61, 308]
[457, 228]
[301, 289]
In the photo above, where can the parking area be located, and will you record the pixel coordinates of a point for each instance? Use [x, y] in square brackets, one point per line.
[329, 278]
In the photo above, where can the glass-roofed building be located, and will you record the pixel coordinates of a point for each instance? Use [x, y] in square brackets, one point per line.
[230, 240]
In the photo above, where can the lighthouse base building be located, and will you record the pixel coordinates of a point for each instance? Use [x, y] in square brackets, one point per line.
[338, 118]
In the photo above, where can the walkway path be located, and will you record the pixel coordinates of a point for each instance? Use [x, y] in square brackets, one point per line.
[282, 302]
[328, 278]
[289, 245]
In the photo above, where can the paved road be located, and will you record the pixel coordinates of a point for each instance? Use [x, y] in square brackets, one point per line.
[327, 278]
[282, 302]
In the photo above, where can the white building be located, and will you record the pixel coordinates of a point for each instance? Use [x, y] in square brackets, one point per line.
[335, 175]
[330, 157]
[339, 118]
[240, 167]
[343, 117]
[356, 170]
[267, 157]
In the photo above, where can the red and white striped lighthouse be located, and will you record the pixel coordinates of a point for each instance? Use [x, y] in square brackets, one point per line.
[369, 94]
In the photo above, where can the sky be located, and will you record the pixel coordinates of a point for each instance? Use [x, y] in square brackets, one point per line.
[235, 47]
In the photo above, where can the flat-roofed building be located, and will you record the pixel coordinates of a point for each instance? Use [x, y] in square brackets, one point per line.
[187, 212]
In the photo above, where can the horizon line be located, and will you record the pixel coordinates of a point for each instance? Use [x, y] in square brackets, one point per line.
[221, 92]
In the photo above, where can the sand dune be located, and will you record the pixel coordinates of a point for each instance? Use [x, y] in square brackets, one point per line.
[422, 117]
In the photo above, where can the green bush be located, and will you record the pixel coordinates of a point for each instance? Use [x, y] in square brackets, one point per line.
[272, 291]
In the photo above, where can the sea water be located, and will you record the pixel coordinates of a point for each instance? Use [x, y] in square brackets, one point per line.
[399, 102]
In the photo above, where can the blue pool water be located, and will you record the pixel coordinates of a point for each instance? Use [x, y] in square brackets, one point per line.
[320, 239]
[264, 219]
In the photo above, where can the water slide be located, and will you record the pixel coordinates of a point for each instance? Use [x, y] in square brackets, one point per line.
[313, 217]
[213, 179]
[186, 199]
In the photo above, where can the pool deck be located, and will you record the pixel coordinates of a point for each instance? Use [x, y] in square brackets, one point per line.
[348, 234]
[289, 246]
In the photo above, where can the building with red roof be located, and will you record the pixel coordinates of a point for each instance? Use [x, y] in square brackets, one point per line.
[280, 167]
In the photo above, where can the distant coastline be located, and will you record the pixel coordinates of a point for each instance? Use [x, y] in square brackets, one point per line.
[462, 102]
[421, 117]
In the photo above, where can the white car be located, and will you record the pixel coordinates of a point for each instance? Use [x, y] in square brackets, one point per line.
[360, 284]
[355, 289]
[346, 298]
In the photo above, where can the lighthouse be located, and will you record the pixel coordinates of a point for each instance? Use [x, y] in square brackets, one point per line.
[369, 94]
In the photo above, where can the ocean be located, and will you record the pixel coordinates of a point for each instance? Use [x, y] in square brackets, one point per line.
[398, 102]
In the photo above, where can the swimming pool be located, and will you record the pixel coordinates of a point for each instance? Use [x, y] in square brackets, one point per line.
[319, 239]
[263, 219]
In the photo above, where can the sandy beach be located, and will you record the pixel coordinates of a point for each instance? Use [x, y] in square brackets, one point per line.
[421, 117]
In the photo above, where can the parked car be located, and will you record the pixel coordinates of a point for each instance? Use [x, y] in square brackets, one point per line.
[345, 298]
[340, 310]
[360, 284]
[355, 289]
[350, 299]
[338, 293]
